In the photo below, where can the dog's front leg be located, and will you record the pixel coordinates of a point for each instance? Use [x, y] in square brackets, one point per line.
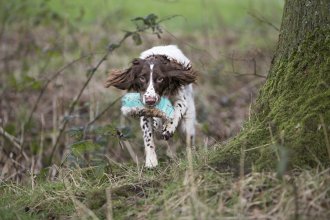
[148, 139]
[180, 108]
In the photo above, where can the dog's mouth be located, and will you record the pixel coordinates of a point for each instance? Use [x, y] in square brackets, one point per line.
[151, 101]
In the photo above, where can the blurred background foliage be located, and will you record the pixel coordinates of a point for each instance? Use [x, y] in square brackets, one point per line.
[49, 49]
[195, 14]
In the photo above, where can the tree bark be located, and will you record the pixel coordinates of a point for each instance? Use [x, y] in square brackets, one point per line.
[290, 124]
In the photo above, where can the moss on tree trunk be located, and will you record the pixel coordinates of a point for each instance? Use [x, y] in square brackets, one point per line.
[291, 117]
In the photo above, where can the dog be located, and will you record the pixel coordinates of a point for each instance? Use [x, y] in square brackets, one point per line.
[161, 71]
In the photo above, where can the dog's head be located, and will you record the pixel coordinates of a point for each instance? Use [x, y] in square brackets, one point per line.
[152, 77]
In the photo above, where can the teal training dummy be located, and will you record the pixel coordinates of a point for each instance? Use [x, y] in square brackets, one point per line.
[133, 106]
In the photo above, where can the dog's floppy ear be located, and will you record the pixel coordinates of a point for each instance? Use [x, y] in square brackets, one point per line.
[183, 77]
[121, 79]
[124, 79]
[179, 78]
[179, 73]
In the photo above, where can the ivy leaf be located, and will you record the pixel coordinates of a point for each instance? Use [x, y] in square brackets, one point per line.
[76, 133]
[138, 19]
[26, 82]
[82, 147]
[126, 132]
[151, 19]
[106, 130]
[137, 39]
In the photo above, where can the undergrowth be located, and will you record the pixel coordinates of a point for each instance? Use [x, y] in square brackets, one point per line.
[181, 189]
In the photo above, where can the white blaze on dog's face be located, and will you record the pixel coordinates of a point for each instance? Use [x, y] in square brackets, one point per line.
[150, 97]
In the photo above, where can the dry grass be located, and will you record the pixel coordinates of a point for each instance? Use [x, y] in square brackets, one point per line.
[184, 189]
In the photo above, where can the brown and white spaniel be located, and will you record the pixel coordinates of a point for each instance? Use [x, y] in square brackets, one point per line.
[161, 71]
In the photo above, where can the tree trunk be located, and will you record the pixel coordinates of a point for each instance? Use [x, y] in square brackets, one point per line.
[290, 123]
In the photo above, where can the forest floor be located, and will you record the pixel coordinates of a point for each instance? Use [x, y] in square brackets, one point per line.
[48, 51]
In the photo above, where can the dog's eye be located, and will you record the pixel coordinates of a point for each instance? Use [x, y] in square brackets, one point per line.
[160, 79]
[142, 79]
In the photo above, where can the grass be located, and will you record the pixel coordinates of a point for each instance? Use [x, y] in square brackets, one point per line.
[176, 190]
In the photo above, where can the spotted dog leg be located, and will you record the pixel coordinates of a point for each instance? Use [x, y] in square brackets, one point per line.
[180, 108]
[149, 145]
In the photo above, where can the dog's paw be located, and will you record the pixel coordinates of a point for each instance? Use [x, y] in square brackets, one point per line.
[168, 130]
[167, 134]
[151, 163]
[151, 158]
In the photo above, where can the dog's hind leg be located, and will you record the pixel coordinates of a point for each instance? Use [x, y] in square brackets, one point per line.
[188, 121]
[187, 127]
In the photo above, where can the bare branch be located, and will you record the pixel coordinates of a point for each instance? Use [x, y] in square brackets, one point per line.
[253, 60]
[263, 20]
[75, 101]
[13, 140]
[48, 81]
[103, 112]
[149, 23]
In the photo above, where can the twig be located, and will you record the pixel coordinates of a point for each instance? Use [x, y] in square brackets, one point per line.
[250, 74]
[327, 142]
[263, 20]
[75, 101]
[104, 111]
[48, 81]
[148, 24]
[100, 115]
[253, 60]
[3, 25]
[82, 210]
[254, 66]
[32, 173]
[190, 45]
[296, 199]
[170, 17]
[131, 152]
[109, 211]
[13, 140]
[242, 163]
